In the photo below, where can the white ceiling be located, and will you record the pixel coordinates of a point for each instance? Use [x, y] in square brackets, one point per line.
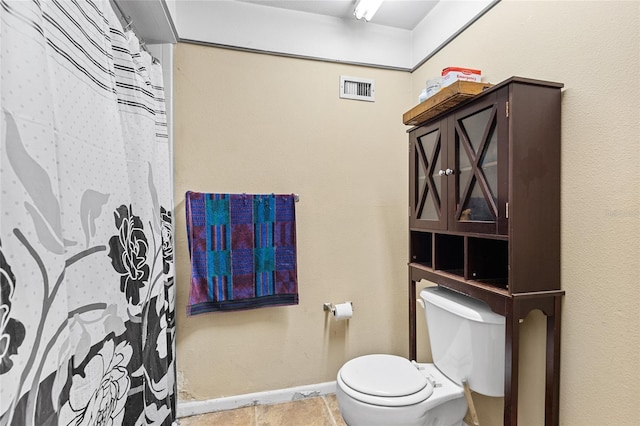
[404, 14]
[402, 35]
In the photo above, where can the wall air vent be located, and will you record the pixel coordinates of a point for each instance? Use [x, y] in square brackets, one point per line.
[361, 89]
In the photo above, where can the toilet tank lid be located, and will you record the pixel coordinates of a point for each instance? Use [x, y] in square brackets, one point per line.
[461, 305]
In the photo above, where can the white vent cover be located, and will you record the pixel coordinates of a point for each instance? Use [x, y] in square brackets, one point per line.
[361, 89]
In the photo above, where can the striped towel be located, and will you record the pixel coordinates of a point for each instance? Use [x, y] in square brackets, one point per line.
[243, 251]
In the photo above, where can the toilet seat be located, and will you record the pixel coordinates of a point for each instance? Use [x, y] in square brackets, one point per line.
[385, 380]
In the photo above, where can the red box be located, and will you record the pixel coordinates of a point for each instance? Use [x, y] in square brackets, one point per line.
[453, 74]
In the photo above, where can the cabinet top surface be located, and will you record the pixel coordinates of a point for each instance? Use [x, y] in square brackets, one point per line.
[460, 95]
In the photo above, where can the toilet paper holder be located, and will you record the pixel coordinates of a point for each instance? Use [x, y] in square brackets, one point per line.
[328, 307]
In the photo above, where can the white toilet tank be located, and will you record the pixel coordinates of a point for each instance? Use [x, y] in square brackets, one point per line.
[467, 339]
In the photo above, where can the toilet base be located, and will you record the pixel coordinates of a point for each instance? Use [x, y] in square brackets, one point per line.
[426, 413]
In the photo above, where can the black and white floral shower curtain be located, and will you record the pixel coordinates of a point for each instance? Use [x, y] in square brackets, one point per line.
[86, 249]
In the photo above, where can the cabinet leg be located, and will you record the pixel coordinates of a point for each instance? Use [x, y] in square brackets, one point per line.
[412, 320]
[552, 394]
[511, 365]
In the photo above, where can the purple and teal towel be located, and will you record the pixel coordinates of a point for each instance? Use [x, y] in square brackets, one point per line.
[243, 251]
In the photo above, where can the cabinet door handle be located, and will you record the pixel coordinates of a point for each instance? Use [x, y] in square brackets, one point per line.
[449, 172]
[441, 173]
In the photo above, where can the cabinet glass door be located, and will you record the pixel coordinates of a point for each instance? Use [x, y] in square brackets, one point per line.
[476, 168]
[428, 152]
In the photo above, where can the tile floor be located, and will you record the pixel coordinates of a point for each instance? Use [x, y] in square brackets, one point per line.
[313, 411]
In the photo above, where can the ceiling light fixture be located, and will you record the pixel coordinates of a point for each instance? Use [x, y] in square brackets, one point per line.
[366, 9]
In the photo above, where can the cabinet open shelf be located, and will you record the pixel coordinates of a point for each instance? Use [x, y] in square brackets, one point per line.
[422, 248]
[482, 260]
[488, 261]
[449, 254]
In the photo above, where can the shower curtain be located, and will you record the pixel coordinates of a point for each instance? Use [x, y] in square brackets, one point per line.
[86, 242]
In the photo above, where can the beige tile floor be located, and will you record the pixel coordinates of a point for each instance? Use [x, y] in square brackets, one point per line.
[314, 411]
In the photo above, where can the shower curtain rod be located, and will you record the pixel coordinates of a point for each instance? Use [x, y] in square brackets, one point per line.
[129, 26]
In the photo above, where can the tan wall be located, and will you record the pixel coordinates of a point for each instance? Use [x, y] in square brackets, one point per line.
[257, 123]
[594, 49]
[260, 124]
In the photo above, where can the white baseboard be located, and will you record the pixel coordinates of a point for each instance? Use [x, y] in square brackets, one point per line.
[194, 408]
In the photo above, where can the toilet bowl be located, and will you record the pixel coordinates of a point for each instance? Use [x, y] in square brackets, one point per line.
[406, 393]
[467, 343]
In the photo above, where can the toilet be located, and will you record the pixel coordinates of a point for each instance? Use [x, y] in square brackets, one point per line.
[467, 343]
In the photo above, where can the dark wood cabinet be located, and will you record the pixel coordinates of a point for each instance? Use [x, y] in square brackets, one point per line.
[459, 171]
[484, 191]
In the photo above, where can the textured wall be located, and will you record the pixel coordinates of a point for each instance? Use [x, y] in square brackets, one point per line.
[259, 124]
[594, 49]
